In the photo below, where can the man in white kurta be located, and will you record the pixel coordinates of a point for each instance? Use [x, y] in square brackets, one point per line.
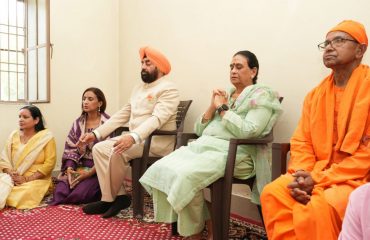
[152, 105]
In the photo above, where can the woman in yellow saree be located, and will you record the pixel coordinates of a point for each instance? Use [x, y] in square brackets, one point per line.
[28, 159]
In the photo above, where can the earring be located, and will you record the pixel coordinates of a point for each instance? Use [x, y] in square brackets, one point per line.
[99, 109]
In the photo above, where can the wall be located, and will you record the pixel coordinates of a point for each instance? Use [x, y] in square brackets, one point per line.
[96, 44]
[200, 37]
[85, 38]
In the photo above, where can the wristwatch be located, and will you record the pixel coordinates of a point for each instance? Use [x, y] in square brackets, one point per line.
[222, 108]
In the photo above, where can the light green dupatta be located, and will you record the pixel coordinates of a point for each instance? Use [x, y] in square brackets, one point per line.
[256, 96]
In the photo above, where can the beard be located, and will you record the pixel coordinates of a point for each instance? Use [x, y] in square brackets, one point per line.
[148, 77]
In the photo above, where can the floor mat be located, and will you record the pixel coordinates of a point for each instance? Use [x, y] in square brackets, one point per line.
[68, 222]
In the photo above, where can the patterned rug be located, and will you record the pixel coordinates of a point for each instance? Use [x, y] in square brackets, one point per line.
[68, 222]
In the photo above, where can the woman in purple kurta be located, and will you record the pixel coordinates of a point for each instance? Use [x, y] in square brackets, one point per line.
[78, 182]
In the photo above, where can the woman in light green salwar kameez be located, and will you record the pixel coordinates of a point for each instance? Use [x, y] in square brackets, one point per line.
[176, 181]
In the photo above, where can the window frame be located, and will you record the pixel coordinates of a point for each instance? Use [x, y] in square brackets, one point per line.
[39, 44]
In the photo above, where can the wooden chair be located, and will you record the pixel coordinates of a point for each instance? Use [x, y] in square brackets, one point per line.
[221, 189]
[139, 165]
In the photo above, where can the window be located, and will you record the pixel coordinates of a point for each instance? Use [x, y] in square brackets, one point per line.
[24, 51]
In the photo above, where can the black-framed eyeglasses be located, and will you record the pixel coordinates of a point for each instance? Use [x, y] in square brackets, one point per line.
[336, 42]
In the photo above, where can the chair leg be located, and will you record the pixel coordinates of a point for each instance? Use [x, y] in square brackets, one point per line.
[137, 190]
[226, 205]
[221, 203]
[174, 231]
[216, 213]
[260, 212]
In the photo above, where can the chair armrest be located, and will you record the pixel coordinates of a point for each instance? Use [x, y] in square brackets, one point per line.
[148, 141]
[233, 147]
[183, 139]
[253, 141]
[163, 132]
[119, 131]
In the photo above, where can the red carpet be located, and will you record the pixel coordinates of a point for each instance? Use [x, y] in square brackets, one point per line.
[69, 222]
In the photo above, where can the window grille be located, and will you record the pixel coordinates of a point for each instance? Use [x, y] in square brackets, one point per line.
[24, 51]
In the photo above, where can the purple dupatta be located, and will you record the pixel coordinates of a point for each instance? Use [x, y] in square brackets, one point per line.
[71, 152]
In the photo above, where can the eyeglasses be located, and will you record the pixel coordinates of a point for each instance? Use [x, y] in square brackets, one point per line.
[336, 42]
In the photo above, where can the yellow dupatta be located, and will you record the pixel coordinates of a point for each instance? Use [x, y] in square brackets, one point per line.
[23, 160]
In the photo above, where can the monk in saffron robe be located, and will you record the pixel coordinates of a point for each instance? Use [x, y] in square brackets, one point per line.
[330, 154]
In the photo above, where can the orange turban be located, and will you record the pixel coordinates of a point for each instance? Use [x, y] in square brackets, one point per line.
[355, 29]
[159, 60]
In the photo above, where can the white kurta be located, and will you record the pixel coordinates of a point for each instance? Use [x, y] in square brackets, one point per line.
[152, 106]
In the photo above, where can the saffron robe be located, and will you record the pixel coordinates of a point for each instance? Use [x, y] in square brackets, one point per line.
[332, 142]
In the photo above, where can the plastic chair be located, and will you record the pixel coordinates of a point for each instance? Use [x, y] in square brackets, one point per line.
[221, 189]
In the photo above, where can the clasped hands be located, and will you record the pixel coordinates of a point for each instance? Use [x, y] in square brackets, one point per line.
[75, 177]
[17, 179]
[302, 186]
[219, 97]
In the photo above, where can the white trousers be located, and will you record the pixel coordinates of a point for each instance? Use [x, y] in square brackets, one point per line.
[112, 168]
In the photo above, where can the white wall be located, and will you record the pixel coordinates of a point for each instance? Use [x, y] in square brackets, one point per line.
[85, 38]
[200, 37]
[96, 44]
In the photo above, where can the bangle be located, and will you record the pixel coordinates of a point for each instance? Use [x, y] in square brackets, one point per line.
[205, 120]
[94, 135]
